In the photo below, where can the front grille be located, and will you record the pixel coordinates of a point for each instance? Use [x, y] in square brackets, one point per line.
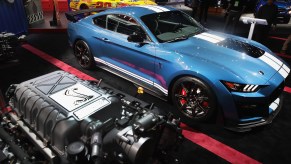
[259, 109]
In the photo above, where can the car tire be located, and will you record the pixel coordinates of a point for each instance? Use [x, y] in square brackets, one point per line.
[83, 55]
[194, 100]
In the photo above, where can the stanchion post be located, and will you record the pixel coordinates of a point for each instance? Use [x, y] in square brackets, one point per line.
[56, 17]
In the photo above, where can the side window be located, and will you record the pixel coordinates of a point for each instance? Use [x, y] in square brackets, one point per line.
[100, 21]
[124, 25]
[119, 23]
[112, 23]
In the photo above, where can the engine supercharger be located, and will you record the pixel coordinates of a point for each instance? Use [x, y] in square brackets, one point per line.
[70, 120]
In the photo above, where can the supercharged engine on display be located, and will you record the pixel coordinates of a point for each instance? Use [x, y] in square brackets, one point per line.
[59, 118]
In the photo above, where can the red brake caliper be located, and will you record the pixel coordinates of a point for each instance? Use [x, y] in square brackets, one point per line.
[205, 104]
[183, 93]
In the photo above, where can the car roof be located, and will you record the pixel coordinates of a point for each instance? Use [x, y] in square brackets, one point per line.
[139, 11]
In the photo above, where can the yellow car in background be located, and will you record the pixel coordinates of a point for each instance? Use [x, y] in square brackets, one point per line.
[88, 4]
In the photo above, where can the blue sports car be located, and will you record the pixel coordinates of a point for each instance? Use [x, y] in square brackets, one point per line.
[202, 72]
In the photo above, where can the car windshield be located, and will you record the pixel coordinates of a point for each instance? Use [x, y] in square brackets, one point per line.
[172, 26]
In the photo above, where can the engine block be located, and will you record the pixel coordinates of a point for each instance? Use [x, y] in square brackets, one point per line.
[71, 120]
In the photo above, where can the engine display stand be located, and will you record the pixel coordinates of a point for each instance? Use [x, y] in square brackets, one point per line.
[253, 22]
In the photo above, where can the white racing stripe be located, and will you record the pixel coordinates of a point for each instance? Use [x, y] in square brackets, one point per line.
[161, 88]
[161, 8]
[286, 68]
[277, 101]
[212, 40]
[152, 8]
[130, 73]
[276, 64]
[275, 104]
[283, 73]
[209, 37]
[165, 91]
[99, 60]
[213, 36]
[270, 62]
[124, 71]
[273, 58]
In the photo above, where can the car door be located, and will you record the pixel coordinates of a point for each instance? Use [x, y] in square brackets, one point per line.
[132, 61]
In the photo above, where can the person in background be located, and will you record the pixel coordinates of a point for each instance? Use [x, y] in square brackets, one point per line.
[285, 45]
[194, 5]
[233, 13]
[203, 9]
[225, 3]
[269, 12]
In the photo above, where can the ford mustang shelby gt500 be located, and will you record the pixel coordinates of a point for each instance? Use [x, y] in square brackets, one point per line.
[202, 72]
[86, 4]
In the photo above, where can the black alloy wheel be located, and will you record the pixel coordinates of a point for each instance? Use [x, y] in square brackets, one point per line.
[194, 99]
[83, 54]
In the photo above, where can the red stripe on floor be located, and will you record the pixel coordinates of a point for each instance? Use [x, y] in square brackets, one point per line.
[57, 62]
[283, 55]
[287, 89]
[212, 145]
[278, 38]
[229, 154]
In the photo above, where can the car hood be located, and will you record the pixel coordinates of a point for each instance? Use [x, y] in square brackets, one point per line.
[240, 56]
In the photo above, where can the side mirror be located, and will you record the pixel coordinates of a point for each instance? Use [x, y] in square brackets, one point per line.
[135, 38]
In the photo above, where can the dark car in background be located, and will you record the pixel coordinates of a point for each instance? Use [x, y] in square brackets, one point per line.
[284, 9]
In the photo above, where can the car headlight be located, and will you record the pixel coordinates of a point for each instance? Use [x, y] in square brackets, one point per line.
[237, 87]
[289, 12]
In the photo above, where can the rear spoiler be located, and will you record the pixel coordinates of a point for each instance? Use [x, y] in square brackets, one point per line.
[74, 16]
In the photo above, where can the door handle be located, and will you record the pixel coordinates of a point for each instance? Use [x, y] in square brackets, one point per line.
[105, 39]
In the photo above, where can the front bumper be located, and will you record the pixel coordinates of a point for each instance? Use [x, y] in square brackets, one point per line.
[247, 125]
[255, 109]
[283, 17]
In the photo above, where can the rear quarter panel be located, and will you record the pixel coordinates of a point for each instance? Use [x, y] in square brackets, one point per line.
[85, 30]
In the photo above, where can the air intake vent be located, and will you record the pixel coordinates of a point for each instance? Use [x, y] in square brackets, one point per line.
[242, 47]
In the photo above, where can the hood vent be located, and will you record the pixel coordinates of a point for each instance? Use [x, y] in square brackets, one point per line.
[242, 47]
